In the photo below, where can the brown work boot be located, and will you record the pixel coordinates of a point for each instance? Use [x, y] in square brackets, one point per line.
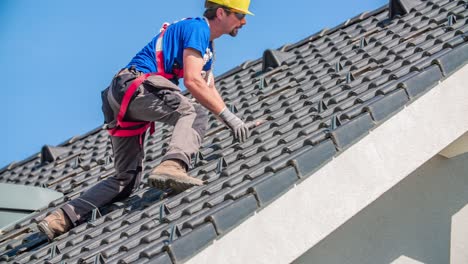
[172, 174]
[55, 224]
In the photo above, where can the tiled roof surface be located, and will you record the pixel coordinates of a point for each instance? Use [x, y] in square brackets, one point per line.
[319, 95]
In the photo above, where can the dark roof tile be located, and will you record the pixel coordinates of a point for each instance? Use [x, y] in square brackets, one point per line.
[422, 82]
[453, 60]
[185, 247]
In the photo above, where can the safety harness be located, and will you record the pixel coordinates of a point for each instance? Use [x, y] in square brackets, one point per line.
[132, 128]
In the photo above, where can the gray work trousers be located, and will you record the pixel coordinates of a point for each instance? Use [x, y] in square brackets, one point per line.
[157, 99]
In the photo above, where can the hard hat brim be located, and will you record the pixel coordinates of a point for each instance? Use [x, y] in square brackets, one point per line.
[243, 11]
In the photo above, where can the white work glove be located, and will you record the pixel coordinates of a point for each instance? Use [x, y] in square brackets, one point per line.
[239, 129]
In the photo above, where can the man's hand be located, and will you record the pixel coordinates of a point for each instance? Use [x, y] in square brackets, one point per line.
[239, 129]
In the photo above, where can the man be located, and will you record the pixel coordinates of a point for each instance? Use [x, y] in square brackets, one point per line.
[144, 92]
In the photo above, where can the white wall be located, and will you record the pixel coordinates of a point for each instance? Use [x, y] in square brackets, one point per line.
[459, 239]
[423, 219]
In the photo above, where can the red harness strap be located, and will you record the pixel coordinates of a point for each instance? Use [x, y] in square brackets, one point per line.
[160, 57]
[126, 128]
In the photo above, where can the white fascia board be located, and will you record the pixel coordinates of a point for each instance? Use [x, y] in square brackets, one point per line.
[406, 260]
[317, 206]
[458, 147]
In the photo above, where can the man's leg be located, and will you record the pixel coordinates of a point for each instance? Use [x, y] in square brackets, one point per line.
[189, 120]
[187, 137]
[188, 132]
[128, 157]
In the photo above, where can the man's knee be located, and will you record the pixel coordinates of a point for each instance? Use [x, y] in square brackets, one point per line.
[128, 182]
[186, 106]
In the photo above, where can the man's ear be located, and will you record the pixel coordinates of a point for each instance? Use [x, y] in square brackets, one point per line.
[220, 12]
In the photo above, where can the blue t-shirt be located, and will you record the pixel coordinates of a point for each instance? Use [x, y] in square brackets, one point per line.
[189, 33]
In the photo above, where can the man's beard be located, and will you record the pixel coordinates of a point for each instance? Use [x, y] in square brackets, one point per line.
[234, 32]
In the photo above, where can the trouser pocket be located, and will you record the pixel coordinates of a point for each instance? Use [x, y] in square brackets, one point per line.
[157, 82]
[169, 98]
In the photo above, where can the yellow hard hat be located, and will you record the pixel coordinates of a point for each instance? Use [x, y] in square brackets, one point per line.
[241, 6]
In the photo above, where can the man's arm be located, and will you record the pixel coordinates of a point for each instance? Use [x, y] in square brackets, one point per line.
[206, 95]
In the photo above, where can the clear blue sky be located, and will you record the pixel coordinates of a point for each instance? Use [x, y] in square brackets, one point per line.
[56, 56]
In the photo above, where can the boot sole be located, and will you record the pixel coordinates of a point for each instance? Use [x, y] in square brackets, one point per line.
[44, 228]
[164, 182]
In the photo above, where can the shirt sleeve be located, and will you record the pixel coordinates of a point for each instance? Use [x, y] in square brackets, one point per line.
[196, 36]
